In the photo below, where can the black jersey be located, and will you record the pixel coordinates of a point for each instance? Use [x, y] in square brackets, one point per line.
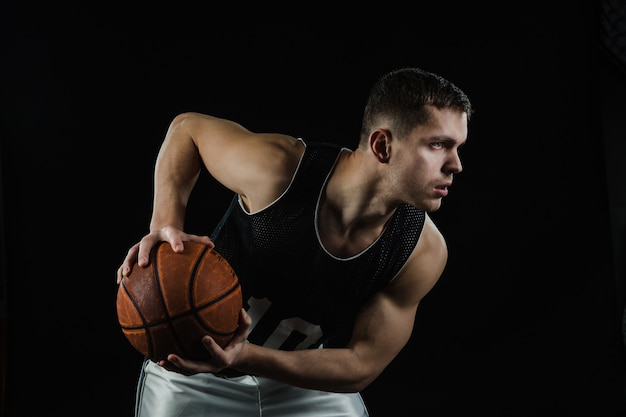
[298, 295]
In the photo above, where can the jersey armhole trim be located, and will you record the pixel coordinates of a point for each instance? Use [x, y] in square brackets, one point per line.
[295, 172]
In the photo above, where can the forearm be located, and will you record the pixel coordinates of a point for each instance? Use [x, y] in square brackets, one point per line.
[336, 370]
[176, 171]
[169, 206]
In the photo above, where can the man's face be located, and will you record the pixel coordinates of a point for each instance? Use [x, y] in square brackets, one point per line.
[425, 162]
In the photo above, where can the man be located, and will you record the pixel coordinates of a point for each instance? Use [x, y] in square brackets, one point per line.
[334, 249]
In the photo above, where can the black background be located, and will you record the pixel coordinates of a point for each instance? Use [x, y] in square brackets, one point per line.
[526, 320]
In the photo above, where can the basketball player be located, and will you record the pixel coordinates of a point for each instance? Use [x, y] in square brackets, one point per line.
[350, 231]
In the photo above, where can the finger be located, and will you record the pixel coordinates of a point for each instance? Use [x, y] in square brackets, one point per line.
[219, 358]
[173, 236]
[241, 334]
[177, 242]
[245, 321]
[245, 317]
[202, 239]
[187, 366]
[215, 350]
[177, 245]
[171, 367]
[144, 247]
[127, 265]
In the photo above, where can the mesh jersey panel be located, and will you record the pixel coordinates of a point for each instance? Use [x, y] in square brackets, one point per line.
[297, 294]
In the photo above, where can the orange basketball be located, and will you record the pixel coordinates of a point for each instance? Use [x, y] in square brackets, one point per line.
[168, 306]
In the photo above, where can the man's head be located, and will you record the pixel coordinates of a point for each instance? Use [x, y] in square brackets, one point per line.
[398, 101]
[414, 124]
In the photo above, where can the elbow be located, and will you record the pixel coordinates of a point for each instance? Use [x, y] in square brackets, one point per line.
[354, 386]
[180, 119]
[360, 370]
[363, 383]
[358, 382]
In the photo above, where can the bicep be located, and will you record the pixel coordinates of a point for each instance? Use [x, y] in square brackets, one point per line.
[385, 324]
[382, 329]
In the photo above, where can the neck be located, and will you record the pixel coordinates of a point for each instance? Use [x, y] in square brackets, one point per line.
[352, 214]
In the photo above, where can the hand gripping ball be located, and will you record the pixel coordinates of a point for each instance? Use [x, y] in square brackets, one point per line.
[168, 306]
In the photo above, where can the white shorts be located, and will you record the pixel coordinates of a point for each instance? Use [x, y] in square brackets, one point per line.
[162, 393]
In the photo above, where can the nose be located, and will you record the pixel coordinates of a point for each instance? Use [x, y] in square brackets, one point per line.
[454, 165]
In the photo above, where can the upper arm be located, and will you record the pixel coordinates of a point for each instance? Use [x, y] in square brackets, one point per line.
[385, 324]
[256, 166]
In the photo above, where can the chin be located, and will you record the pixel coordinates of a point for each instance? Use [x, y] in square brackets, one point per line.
[432, 206]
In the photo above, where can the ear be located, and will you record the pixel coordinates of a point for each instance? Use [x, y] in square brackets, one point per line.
[380, 144]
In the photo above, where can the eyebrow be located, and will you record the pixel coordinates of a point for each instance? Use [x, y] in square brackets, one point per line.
[446, 139]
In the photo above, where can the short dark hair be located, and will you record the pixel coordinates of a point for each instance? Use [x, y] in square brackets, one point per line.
[399, 97]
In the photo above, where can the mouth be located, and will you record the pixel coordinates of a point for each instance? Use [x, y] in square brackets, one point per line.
[442, 190]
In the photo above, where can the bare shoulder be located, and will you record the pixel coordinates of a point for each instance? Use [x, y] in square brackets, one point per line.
[271, 160]
[218, 136]
[275, 150]
[257, 166]
[432, 243]
[425, 265]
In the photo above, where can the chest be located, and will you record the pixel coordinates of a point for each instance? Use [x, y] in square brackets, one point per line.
[343, 242]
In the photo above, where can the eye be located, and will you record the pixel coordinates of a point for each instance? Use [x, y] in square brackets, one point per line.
[438, 145]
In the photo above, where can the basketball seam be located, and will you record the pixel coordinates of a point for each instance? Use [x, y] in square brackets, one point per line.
[143, 318]
[137, 309]
[168, 318]
[194, 310]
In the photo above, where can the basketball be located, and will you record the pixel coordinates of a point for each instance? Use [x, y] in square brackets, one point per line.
[168, 306]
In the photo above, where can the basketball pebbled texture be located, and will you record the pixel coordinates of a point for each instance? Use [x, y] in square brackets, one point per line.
[168, 306]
